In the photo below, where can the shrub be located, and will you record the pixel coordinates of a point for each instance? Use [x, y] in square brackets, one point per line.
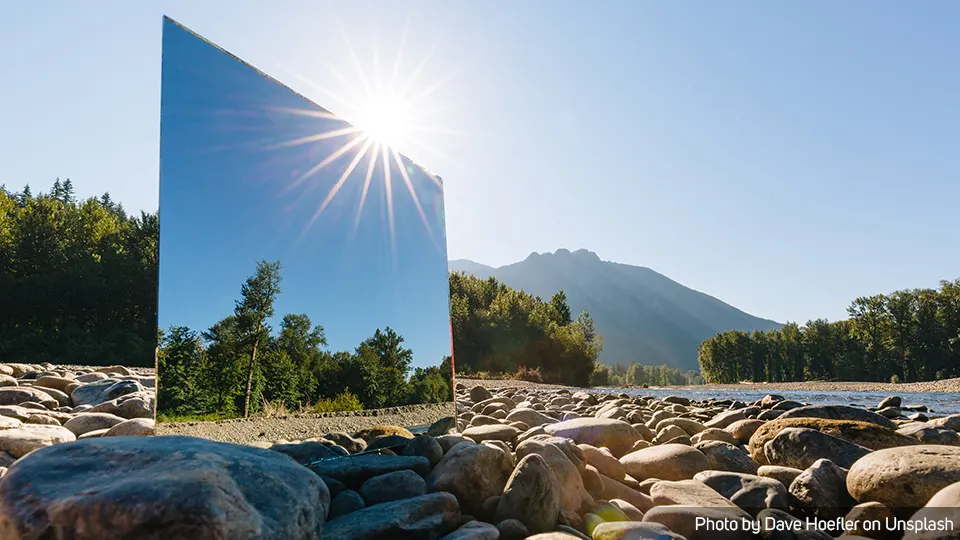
[894, 379]
[345, 401]
[530, 375]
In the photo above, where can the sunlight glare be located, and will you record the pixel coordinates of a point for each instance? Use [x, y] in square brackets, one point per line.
[387, 121]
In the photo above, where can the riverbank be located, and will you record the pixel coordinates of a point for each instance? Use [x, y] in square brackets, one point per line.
[942, 386]
[304, 426]
[516, 463]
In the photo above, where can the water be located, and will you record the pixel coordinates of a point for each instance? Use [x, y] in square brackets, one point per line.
[940, 403]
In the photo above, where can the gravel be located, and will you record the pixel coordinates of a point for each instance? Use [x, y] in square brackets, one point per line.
[304, 426]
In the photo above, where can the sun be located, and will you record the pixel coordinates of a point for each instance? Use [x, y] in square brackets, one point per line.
[385, 121]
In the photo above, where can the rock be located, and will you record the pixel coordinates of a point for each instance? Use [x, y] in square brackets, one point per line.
[689, 427]
[345, 502]
[491, 433]
[92, 434]
[130, 488]
[531, 496]
[942, 508]
[902, 478]
[135, 427]
[7, 422]
[840, 412]
[530, 417]
[356, 470]
[949, 422]
[425, 446]
[822, 488]
[134, 405]
[471, 472]
[394, 443]
[616, 490]
[742, 430]
[573, 492]
[928, 434]
[698, 523]
[715, 434]
[679, 400]
[7, 380]
[861, 433]
[512, 529]
[666, 462]
[371, 434]
[862, 513]
[114, 370]
[98, 392]
[801, 447]
[616, 435]
[19, 442]
[726, 418]
[15, 395]
[426, 516]
[769, 400]
[352, 445]
[442, 426]
[392, 486]
[751, 493]
[85, 422]
[692, 493]
[784, 475]
[479, 393]
[474, 530]
[306, 452]
[633, 530]
[62, 399]
[604, 462]
[892, 401]
[723, 456]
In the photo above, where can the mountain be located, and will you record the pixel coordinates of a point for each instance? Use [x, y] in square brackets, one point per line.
[642, 315]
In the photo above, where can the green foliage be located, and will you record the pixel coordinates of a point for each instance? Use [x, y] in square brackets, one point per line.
[894, 379]
[909, 335]
[345, 401]
[240, 366]
[497, 329]
[78, 279]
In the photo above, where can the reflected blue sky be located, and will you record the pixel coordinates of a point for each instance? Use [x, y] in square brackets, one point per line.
[251, 171]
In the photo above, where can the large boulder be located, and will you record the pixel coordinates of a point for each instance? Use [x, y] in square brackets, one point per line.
[943, 507]
[15, 395]
[473, 473]
[426, 516]
[864, 434]
[904, 478]
[356, 470]
[98, 392]
[138, 488]
[750, 492]
[532, 495]
[133, 405]
[822, 488]
[801, 447]
[724, 456]
[665, 462]
[840, 412]
[616, 435]
[20, 441]
[84, 422]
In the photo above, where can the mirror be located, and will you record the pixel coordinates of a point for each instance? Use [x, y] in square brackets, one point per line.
[303, 272]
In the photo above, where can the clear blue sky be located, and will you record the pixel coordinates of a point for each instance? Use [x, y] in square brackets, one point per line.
[234, 191]
[784, 158]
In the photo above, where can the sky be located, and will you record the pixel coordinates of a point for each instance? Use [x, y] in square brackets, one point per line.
[784, 158]
[246, 177]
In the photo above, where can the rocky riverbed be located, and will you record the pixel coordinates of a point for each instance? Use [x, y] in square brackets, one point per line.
[515, 463]
[41, 405]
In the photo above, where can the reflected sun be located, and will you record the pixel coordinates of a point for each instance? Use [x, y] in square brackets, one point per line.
[386, 121]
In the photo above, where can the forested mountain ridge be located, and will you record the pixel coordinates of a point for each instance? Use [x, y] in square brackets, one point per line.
[643, 316]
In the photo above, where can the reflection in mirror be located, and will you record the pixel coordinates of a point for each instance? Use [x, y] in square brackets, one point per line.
[303, 273]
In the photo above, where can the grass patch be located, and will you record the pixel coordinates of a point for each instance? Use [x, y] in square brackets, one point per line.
[345, 401]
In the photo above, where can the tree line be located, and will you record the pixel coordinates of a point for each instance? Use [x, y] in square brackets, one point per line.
[78, 279]
[643, 375]
[909, 335]
[501, 330]
[241, 365]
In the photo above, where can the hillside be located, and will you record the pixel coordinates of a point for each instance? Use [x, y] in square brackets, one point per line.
[642, 315]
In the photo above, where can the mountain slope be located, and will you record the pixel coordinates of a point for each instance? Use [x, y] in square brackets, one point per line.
[642, 315]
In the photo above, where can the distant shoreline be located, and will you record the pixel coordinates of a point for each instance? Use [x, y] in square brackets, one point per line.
[943, 386]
